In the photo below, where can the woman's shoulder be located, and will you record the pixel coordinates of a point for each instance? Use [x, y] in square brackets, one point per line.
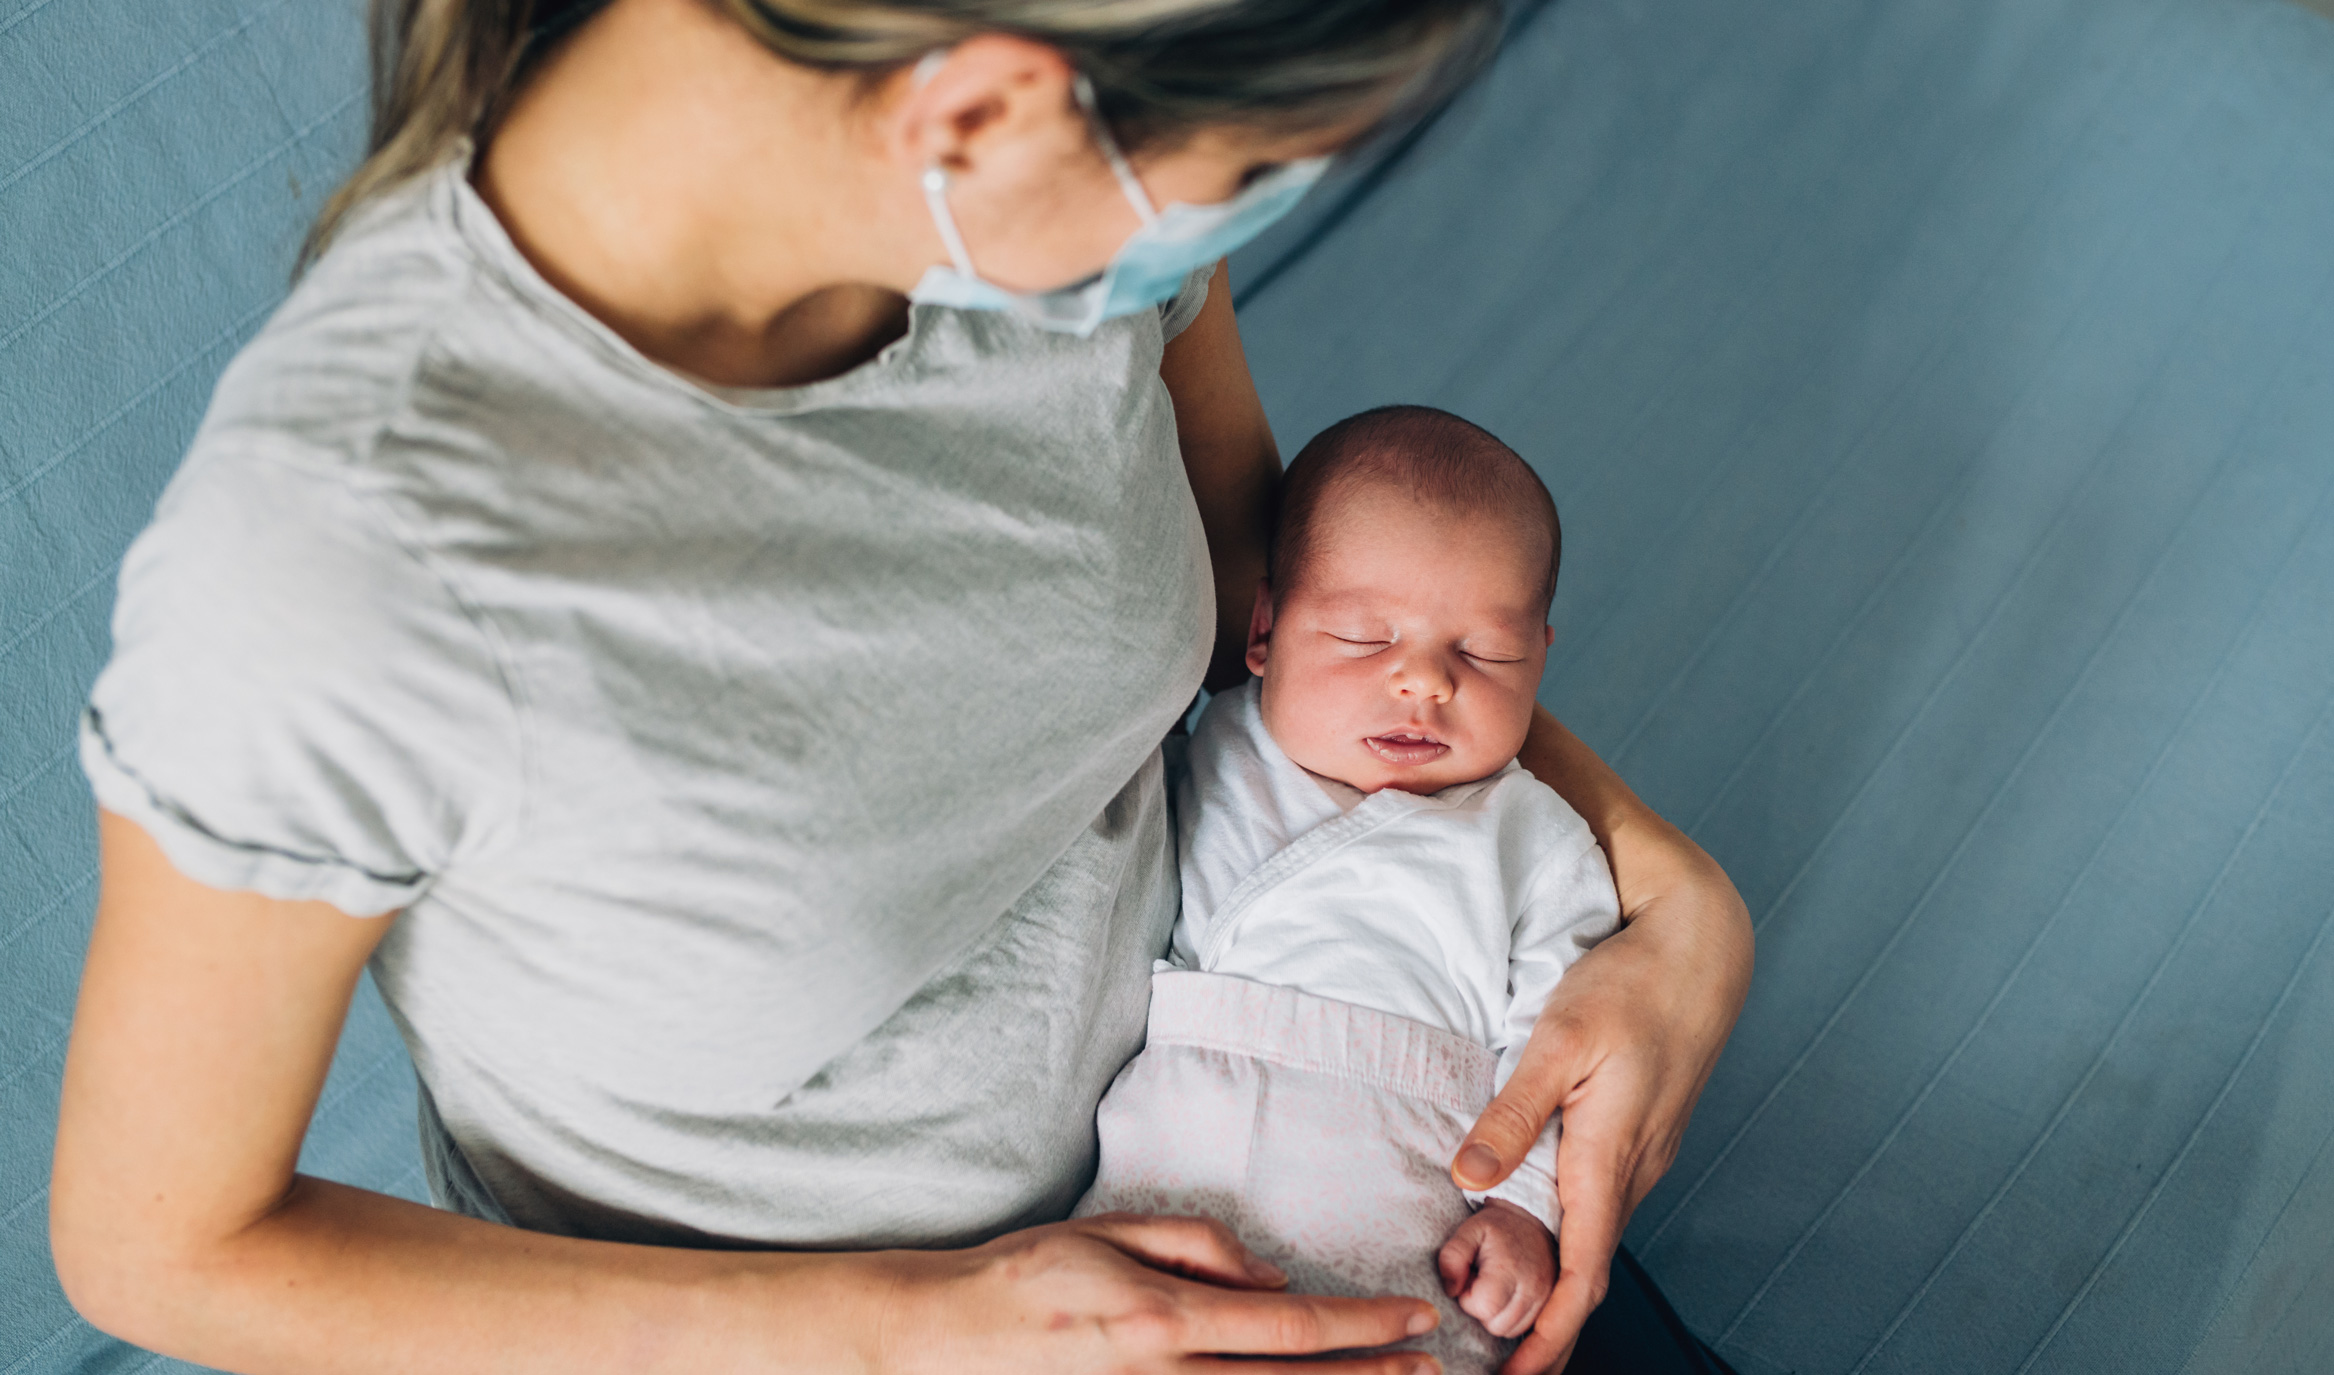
[338, 359]
[275, 524]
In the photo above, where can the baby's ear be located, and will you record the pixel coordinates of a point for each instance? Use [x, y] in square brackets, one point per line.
[1547, 636]
[1260, 628]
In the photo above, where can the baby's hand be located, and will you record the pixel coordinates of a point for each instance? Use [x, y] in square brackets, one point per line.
[1499, 1265]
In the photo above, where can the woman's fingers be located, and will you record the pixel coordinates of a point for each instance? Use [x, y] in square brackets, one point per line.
[1387, 1363]
[1199, 1248]
[1113, 1294]
[1595, 1167]
[1610, 1117]
[1244, 1321]
[1539, 1352]
[1241, 1320]
[1248, 1323]
[1588, 1235]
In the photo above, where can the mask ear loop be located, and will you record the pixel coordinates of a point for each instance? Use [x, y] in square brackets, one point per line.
[935, 177]
[1128, 183]
[935, 180]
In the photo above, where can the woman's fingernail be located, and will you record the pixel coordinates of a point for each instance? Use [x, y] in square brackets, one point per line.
[1422, 1322]
[1477, 1165]
[1265, 1272]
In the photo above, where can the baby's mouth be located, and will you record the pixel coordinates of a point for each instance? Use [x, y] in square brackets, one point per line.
[1406, 747]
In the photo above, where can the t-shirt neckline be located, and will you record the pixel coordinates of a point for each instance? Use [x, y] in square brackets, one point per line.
[483, 234]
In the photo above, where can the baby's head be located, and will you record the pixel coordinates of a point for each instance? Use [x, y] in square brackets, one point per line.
[1403, 625]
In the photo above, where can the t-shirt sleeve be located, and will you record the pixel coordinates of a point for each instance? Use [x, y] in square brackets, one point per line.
[297, 704]
[1183, 307]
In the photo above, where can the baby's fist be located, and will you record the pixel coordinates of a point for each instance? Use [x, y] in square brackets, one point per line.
[1499, 1265]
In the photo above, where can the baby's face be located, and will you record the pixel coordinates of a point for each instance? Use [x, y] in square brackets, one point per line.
[1408, 652]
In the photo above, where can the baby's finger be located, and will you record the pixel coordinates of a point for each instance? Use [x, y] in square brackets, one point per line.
[1456, 1261]
[1199, 1248]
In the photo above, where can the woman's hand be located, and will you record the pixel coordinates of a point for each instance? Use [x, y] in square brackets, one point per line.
[1625, 1043]
[1121, 1293]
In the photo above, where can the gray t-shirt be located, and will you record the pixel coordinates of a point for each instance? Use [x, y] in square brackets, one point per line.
[769, 780]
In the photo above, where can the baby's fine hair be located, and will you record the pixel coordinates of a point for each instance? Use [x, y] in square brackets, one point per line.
[1431, 455]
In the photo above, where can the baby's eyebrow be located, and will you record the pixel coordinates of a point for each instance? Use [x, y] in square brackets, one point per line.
[1522, 625]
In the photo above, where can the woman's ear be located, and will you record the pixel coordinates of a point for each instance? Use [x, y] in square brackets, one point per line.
[1260, 628]
[974, 101]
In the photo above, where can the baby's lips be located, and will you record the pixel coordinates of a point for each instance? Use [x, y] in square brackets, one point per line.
[1417, 750]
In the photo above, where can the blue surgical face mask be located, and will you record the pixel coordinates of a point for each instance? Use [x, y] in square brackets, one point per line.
[1149, 268]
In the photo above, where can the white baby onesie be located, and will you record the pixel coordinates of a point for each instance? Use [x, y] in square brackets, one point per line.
[1352, 978]
[1460, 910]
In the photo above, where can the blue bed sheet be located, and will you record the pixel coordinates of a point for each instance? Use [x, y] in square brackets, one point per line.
[1940, 397]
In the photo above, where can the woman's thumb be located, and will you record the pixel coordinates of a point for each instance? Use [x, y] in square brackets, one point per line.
[1501, 1136]
[1545, 1074]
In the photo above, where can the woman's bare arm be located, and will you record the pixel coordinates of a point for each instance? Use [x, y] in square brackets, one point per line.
[206, 1023]
[1234, 467]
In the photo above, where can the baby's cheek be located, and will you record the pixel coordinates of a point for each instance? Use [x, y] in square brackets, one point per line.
[1513, 723]
[1308, 716]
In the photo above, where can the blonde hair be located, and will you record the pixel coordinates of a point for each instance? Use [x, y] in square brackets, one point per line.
[444, 70]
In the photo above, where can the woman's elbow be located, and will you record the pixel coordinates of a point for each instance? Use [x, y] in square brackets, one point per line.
[122, 1281]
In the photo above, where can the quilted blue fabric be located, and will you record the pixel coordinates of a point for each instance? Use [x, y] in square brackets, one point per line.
[1940, 396]
[158, 164]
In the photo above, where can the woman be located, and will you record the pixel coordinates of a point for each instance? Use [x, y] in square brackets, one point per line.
[720, 699]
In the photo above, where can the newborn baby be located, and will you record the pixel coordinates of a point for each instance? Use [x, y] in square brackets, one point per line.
[1376, 897]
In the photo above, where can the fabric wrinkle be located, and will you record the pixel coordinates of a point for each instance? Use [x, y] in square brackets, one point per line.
[646, 707]
[1348, 989]
[1318, 1132]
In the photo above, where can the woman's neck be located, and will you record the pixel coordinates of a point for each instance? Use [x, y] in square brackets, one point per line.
[715, 206]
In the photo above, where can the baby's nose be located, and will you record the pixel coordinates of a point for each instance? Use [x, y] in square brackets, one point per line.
[1422, 675]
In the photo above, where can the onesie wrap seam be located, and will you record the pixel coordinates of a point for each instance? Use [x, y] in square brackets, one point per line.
[1303, 1031]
